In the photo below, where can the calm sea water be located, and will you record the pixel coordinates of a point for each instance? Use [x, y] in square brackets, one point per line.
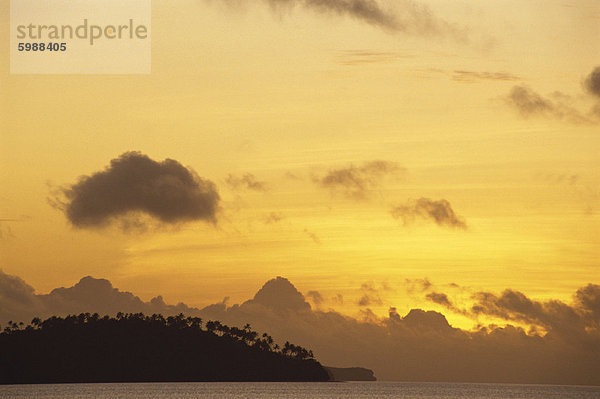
[327, 390]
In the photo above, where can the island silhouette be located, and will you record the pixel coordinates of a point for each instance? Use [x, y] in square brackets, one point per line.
[133, 347]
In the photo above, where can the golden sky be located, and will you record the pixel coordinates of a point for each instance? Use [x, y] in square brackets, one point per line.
[289, 96]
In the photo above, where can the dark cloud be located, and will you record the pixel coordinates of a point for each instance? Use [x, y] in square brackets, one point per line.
[528, 102]
[440, 212]
[423, 346]
[472, 76]
[133, 184]
[18, 300]
[556, 317]
[559, 105]
[369, 300]
[440, 298]
[393, 314]
[247, 182]
[592, 82]
[357, 182]
[406, 16]
[315, 297]
[588, 301]
[420, 346]
[370, 296]
[280, 295]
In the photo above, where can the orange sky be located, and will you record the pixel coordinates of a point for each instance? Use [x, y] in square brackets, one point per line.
[290, 96]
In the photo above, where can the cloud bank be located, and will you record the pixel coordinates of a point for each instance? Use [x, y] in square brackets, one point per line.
[440, 212]
[419, 346]
[134, 183]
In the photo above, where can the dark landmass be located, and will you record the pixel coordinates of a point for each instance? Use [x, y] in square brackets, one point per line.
[138, 348]
[350, 374]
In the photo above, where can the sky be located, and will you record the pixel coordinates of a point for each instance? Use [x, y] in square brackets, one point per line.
[359, 149]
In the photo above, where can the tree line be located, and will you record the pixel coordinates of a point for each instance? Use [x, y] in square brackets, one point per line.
[137, 347]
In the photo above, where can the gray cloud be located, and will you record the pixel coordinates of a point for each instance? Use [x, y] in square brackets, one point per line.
[357, 182]
[439, 298]
[592, 82]
[419, 346]
[440, 212]
[247, 182]
[369, 300]
[407, 16]
[588, 301]
[280, 296]
[559, 105]
[18, 300]
[442, 299]
[556, 317]
[315, 297]
[472, 76]
[370, 296]
[402, 16]
[528, 102]
[132, 184]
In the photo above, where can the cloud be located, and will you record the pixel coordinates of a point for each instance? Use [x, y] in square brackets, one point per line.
[370, 296]
[440, 212]
[588, 301]
[419, 346]
[315, 297]
[407, 16]
[417, 285]
[369, 300]
[592, 82]
[529, 103]
[280, 295]
[273, 217]
[471, 76]
[132, 184]
[362, 57]
[247, 182]
[556, 317]
[356, 182]
[442, 299]
[312, 236]
[439, 298]
[18, 300]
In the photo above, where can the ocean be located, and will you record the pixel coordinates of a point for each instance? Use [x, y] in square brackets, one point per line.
[275, 390]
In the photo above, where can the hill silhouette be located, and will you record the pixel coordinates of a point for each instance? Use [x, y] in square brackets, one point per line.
[138, 348]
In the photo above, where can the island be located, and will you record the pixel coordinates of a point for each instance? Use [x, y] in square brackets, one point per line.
[138, 348]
